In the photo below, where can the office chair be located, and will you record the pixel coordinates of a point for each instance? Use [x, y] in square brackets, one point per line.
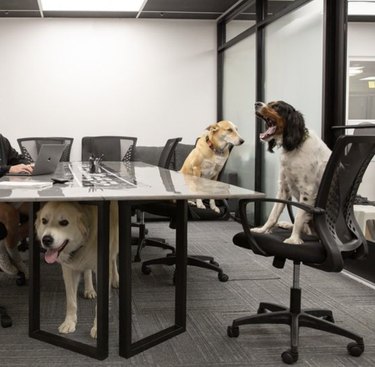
[338, 236]
[6, 321]
[168, 209]
[167, 157]
[112, 148]
[30, 147]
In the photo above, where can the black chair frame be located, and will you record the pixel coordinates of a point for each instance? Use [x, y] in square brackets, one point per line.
[338, 236]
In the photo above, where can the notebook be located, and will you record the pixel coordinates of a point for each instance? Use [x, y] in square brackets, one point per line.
[48, 158]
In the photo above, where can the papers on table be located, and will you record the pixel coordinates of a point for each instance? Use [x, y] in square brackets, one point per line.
[24, 184]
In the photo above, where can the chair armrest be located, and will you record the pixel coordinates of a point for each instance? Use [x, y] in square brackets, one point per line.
[308, 208]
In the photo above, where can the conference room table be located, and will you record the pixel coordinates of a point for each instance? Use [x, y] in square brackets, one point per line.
[128, 183]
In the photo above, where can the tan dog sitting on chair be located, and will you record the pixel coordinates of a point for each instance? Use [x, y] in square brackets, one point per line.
[210, 154]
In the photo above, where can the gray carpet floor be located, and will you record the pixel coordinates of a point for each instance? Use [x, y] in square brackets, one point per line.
[212, 305]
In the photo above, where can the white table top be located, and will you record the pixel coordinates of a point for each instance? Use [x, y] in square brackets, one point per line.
[117, 181]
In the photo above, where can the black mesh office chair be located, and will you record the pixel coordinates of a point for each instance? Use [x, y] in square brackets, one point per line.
[6, 321]
[338, 236]
[30, 147]
[168, 209]
[112, 148]
[166, 158]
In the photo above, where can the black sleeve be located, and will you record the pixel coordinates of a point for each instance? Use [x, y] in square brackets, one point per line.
[10, 156]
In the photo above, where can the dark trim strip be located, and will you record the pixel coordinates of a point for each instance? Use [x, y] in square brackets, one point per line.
[361, 18]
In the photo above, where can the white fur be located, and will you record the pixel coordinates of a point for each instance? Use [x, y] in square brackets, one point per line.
[80, 253]
[300, 173]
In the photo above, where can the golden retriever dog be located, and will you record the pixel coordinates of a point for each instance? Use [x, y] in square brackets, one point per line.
[210, 154]
[68, 233]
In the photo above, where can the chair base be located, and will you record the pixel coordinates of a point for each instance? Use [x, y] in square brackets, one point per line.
[320, 319]
[152, 242]
[205, 262]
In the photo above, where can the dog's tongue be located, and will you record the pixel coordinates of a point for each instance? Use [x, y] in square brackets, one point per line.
[51, 256]
[270, 131]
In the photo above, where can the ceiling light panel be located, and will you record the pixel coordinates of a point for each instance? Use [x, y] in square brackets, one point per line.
[92, 5]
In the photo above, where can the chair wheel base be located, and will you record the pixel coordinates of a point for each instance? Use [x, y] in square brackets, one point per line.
[233, 331]
[355, 349]
[289, 356]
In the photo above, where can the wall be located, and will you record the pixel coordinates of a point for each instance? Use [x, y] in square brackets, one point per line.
[360, 44]
[74, 77]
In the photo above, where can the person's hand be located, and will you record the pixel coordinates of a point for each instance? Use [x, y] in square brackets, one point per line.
[21, 168]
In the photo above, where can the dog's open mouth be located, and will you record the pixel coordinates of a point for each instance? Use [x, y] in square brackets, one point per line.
[51, 255]
[271, 127]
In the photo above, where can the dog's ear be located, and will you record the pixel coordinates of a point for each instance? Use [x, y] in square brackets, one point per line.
[213, 127]
[37, 220]
[83, 223]
[294, 129]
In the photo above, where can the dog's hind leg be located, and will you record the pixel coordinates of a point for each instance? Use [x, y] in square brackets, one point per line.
[89, 291]
[71, 280]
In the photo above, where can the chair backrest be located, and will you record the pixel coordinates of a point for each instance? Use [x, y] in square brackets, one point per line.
[168, 152]
[30, 147]
[337, 228]
[112, 148]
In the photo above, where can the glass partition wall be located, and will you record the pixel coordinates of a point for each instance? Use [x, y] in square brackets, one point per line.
[278, 50]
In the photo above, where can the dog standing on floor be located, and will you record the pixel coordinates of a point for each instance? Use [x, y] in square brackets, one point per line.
[302, 162]
[68, 232]
[210, 154]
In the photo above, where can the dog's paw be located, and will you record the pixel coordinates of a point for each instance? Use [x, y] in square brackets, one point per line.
[285, 225]
[89, 293]
[215, 209]
[93, 332]
[259, 230]
[200, 204]
[68, 326]
[294, 240]
[115, 283]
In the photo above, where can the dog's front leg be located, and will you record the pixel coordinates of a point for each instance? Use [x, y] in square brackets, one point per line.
[89, 291]
[277, 208]
[213, 206]
[71, 280]
[299, 223]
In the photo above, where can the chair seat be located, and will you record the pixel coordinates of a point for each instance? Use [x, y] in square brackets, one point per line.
[311, 251]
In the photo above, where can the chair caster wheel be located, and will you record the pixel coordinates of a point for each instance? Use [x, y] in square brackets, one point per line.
[137, 258]
[289, 357]
[233, 331]
[146, 270]
[223, 277]
[21, 280]
[355, 349]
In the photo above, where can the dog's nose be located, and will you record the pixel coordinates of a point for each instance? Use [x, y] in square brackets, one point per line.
[47, 240]
[242, 141]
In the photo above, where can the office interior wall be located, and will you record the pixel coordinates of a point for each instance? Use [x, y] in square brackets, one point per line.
[238, 106]
[74, 77]
[294, 73]
[360, 45]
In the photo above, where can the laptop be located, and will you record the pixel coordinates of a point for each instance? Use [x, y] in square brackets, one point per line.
[48, 158]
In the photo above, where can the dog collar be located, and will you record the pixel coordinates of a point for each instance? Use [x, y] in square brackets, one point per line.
[211, 146]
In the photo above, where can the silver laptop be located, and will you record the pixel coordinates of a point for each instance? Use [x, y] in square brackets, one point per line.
[48, 158]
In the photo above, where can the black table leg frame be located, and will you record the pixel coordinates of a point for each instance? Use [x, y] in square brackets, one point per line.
[127, 347]
[99, 352]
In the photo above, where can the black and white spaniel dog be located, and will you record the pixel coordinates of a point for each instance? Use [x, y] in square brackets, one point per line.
[302, 162]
